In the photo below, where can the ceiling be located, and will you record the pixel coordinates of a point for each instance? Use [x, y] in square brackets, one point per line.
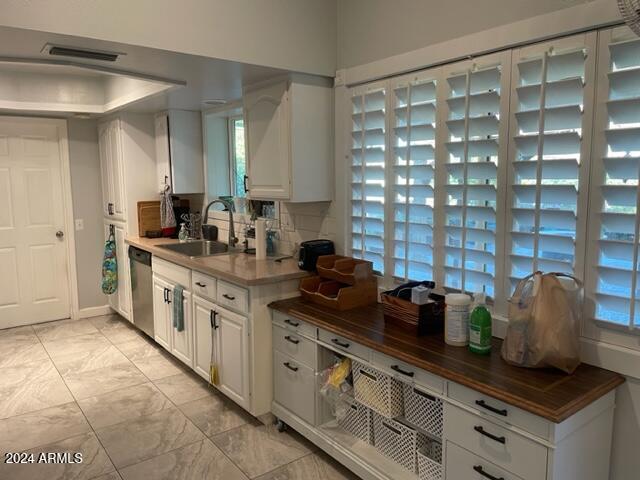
[202, 78]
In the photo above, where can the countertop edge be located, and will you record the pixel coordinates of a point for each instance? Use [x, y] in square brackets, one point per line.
[555, 416]
[187, 263]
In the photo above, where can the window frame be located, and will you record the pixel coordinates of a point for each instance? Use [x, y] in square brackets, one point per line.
[231, 131]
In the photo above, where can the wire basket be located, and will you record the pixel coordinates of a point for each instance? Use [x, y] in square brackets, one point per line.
[377, 390]
[429, 460]
[398, 442]
[423, 410]
[358, 421]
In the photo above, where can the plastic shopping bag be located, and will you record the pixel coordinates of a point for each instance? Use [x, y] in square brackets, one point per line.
[544, 322]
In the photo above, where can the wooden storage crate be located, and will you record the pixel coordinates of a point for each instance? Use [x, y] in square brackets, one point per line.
[415, 319]
[344, 269]
[336, 295]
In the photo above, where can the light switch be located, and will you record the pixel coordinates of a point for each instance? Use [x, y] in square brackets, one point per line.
[79, 224]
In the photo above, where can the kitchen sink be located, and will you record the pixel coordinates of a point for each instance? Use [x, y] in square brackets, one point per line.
[198, 248]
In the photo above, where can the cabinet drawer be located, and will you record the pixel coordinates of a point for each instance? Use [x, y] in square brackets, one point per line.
[346, 345]
[507, 449]
[406, 372]
[294, 325]
[171, 271]
[203, 285]
[464, 465]
[294, 386]
[500, 410]
[295, 346]
[232, 296]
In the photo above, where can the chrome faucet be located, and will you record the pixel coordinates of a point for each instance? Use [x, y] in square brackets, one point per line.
[229, 206]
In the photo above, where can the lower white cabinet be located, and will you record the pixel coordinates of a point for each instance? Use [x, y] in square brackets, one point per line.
[179, 343]
[203, 333]
[232, 342]
[462, 464]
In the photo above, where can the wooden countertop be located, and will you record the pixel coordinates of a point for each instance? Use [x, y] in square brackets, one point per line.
[235, 267]
[548, 393]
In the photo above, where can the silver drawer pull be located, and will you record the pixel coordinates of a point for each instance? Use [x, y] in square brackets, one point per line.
[290, 367]
[291, 340]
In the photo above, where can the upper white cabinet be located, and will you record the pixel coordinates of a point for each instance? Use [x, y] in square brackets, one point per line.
[111, 163]
[178, 137]
[289, 135]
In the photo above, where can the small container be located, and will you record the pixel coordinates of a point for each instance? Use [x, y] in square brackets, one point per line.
[420, 295]
[182, 234]
[456, 319]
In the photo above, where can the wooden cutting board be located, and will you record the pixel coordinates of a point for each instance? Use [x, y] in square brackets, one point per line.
[148, 217]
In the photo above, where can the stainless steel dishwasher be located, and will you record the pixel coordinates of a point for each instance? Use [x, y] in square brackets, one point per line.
[141, 289]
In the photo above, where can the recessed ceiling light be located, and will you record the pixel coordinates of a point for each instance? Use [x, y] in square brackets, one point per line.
[215, 101]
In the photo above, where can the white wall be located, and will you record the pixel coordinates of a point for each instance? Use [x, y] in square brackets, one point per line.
[297, 35]
[86, 190]
[370, 30]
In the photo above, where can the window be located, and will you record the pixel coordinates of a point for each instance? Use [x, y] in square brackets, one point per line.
[368, 175]
[238, 163]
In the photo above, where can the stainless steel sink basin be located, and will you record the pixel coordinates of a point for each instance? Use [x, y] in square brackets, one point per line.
[198, 248]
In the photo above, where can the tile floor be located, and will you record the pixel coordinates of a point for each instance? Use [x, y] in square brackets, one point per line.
[100, 387]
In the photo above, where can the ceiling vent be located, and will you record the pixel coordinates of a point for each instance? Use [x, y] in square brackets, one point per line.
[66, 51]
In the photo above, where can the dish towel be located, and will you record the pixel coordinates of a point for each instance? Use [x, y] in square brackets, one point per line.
[167, 217]
[178, 312]
[110, 267]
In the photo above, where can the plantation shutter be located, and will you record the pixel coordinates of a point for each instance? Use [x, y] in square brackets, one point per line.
[548, 158]
[368, 134]
[614, 286]
[413, 152]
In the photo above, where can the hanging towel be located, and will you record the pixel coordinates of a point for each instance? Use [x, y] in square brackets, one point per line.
[178, 312]
[167, 217]
[110, 266]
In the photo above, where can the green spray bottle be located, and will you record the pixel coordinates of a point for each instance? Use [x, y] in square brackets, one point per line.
[480, 326]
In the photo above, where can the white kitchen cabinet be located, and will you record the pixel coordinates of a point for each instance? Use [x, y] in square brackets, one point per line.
[120, 301]
[203, 333]
[179, 160]
[289, 138]
[161, 317]
[112, 169]
[182, 341]
[232, 344]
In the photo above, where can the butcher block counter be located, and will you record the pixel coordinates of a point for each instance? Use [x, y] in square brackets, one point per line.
[548, 393]
[239, 268]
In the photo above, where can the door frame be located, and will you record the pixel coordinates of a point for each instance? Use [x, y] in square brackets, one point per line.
[67, 203]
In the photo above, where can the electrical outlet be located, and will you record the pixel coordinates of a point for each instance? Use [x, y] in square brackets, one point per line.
[79, 224]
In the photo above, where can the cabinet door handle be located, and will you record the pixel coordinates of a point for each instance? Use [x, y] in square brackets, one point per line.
[110, 208]
[290, 367]
[403, 372]
[201, 284]
[212, 318]
[495, 438]
[246, 189]
[291, 340]
[168, 293]
[485, 405]
[228, 297]
[165, 292]
[339, 343]
[480, 470]
[292, 323]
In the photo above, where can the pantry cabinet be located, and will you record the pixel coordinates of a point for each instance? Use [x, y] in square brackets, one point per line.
[120, 301]
[289, 140]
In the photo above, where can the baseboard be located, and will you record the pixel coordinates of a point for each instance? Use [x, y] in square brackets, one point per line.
[95, 311]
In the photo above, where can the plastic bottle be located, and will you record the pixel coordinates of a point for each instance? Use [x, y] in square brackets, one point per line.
[456, 319]
[480, 326]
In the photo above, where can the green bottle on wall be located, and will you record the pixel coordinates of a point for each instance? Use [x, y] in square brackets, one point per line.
[480, 326]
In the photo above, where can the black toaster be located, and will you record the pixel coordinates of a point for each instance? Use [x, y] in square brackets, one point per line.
[311, 250]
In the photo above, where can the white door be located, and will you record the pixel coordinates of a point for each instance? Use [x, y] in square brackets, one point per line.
[161, 317]
[203, 332]
[267, 135]
[34, 277]
[233, 345]
[181, 342]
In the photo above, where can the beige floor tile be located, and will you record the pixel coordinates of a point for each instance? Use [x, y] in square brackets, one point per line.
[140, 348]
[74, 345]
[104, 356]
[118, 333]
[261, 449]
[63, 329]
[158, 366]
[93, 462]
[39, 428]
[19, 352]
[316, 466]
[9, 335]
[137, 440]
[201, 460]
[32, 396]
[109, 476]
[215, 414]
[103, 321]
[103, 380]
[36, 371]
[124, 404]
[184, 387]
